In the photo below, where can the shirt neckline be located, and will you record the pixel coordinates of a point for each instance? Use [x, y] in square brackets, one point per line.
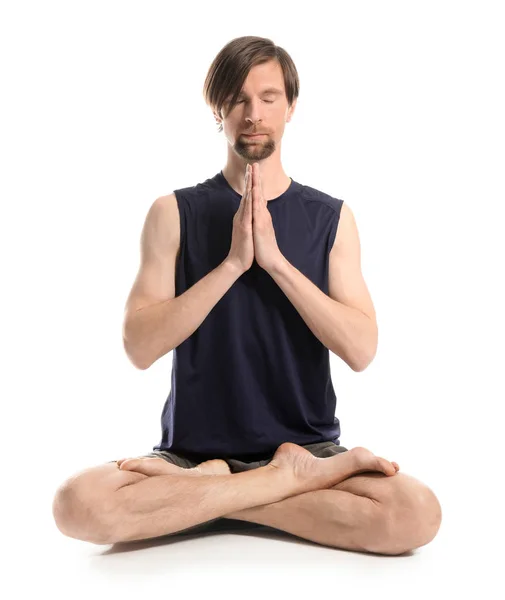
[288, 192]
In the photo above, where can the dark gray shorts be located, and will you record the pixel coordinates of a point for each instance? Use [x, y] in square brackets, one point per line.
[319, 449]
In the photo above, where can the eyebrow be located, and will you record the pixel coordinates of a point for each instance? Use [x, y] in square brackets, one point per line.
[270, 90]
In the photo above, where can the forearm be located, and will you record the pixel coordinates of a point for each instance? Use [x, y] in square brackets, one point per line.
[344, 330]
[152, 331]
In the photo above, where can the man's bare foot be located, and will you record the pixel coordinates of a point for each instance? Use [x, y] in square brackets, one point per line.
[216, 466]
[312, 472]
[368, 461]
[151, 465]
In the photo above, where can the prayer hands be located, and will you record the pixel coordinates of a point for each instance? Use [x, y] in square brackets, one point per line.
[266, 250]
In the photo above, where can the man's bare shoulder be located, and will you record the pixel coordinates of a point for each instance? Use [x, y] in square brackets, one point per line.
[167, 217]
[168, 201]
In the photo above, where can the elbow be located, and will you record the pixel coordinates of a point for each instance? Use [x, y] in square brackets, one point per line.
[368, 354]
[141, 367]
[131, 348]
[358, 368]
[360, 365]
[135, 360]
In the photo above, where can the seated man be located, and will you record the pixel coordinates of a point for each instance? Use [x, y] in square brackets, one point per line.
[251, 278]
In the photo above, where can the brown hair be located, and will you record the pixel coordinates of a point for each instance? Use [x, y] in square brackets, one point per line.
[229, 70]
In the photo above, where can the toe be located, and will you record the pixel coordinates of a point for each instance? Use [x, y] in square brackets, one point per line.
[387, 467]
[148, 466]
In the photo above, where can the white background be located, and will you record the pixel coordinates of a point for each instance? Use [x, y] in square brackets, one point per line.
[401, 115]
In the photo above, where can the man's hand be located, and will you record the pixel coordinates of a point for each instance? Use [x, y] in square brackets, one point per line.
[266, 250]
[241, 253]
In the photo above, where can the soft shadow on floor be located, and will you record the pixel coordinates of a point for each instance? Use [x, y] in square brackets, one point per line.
[243, 528]
[213, 528]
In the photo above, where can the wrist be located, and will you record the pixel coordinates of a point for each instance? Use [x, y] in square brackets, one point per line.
[233, 267]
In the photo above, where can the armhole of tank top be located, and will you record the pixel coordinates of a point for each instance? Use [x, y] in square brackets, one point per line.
[180, 210]
[334, 224]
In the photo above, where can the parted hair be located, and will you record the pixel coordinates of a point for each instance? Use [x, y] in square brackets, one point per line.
[229, 70]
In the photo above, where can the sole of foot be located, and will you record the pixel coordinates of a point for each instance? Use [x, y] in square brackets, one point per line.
[151, 465]
[315, 472]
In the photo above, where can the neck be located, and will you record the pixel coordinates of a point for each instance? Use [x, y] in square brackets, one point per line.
[274, 180]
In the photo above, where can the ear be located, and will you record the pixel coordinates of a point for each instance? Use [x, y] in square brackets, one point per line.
[291, 110]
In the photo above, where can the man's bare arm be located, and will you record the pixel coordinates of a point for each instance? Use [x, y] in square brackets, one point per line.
[152, 331]
[345, 331]
[155, 321]
[344, 320]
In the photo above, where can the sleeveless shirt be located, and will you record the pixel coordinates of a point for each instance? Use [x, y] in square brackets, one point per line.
[252, 375]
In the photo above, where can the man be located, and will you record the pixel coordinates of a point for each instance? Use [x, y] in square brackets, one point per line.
[251, 278]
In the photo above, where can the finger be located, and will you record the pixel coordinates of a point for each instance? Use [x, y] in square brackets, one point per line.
[242, 211]
[243, 201]
[249, 175]
[258, 198]
[260, 187]
[249, 195]
[254, 190]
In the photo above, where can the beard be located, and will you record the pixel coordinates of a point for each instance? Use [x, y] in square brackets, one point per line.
[254, 149]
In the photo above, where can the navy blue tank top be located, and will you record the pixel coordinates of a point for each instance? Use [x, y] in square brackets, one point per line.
[252, 375]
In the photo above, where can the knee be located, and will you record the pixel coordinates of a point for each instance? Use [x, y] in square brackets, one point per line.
[429, 515]
[78, 515]
[415, 517]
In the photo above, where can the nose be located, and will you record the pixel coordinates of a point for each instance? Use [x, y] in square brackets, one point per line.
[253, 113]
[253, 123]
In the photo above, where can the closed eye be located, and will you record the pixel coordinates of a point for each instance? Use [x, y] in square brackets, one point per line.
[268, 101]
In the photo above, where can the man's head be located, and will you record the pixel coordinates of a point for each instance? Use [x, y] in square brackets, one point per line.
[252, 87]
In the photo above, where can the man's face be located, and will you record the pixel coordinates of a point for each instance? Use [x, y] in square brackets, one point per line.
[262, 108]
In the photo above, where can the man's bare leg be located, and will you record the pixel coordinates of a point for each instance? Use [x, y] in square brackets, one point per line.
[164, 504]
[330, 517]
[309, 514]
